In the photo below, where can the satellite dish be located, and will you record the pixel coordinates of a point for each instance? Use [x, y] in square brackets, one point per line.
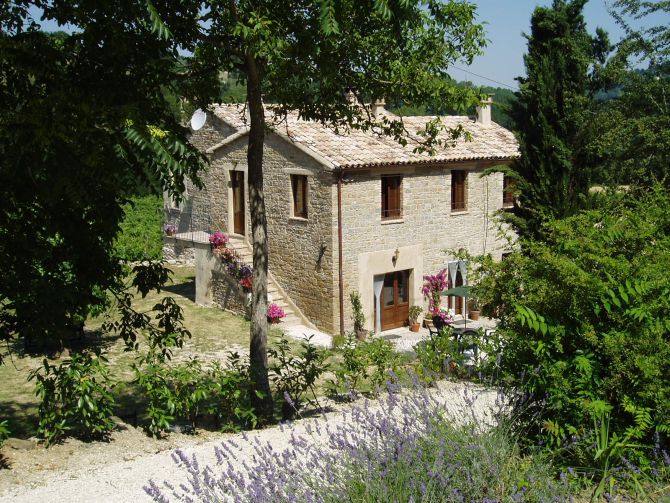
[198, 119]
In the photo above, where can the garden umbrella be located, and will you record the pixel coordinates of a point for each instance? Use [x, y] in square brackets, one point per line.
[460, 291]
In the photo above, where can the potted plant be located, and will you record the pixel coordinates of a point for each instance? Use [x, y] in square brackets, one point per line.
[275, 313]
[474, 308]
[357, 315]
[218, 240]
[169, 229]
[414, 313]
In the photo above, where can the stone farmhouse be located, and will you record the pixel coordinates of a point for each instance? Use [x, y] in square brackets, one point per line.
[349, 211]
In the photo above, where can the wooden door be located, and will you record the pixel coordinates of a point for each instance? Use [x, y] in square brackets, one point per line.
[237, 181]
[395, 300]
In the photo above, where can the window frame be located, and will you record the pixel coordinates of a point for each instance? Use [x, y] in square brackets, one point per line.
[508, 192]
[462, 187]
[299, 182]
[396, 212]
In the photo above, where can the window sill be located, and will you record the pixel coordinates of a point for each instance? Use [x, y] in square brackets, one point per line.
[298, 219]
[459, 212]
[387, 221]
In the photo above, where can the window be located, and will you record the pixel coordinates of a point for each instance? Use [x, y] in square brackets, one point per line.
[299, 191]
[458, 178]
[391, 197]
[508, 192]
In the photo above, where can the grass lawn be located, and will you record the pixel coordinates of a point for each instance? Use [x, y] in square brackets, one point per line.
[214, 332]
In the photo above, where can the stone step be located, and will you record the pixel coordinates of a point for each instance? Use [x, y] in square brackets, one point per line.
[245, 253]
[291, 321]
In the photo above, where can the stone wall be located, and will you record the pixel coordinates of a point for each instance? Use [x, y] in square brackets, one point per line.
[227, 294]
[176, 251]
[300, 250]
[427, 229]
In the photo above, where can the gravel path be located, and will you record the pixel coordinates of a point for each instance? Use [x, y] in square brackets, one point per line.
[122, 481]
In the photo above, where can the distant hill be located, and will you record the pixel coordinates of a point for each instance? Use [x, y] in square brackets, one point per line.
[502, 101]
[234, 91]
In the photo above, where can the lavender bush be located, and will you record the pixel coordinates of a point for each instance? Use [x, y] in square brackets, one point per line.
[410, 446]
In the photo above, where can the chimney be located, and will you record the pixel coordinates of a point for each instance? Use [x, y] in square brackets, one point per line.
[484, 111]
[377, 109]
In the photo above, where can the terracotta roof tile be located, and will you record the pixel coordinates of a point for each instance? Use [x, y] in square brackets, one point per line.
[353, 149]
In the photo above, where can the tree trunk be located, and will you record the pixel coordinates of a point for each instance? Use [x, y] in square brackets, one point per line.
[258, 354]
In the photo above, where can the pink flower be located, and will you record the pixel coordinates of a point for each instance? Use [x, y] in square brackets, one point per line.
[275, 312]
[433, 286]
[218, 239]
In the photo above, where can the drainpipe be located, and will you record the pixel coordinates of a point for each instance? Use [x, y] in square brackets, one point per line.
[339, 250]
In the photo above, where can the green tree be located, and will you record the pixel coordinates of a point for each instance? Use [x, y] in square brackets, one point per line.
[550, 114]
[303, 55]
[630, 135]
[84, 119]
[584, 318]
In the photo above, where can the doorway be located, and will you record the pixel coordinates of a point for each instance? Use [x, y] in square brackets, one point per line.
[394, 300]
[456, 303]
[237, 182]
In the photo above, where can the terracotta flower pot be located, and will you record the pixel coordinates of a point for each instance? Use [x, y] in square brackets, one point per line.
[474, 315]
[414, 327]
[361, 334]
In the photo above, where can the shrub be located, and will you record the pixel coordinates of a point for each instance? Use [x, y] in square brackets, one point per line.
[403, 449]
[435, 355]
[4, 431]
[433, 285]
[357, 311]
[140, 237]
[363, 362]
[584, 319]
[294, 375]
[185, 391]
[230, 393]
[382, 358]
[75, 398]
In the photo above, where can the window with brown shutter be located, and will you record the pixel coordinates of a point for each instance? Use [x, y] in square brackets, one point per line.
[508, 192]
[391, 197]
[299, 190]
[458, 178]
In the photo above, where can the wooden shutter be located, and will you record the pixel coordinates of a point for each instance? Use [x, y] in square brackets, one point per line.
[391, 197]
[508, 191]
[458, 190]
[299, 189]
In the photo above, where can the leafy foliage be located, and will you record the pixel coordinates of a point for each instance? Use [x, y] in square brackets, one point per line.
[75, 398]
[628, 139]
[4, 431]
[140, 235]
[186, 391]
[584, 320]
[296, 374]
[365, 364]
[75, 139]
